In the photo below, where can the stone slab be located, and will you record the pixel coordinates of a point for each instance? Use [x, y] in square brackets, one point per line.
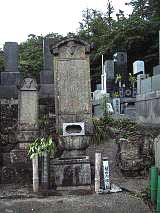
[46, 77]
[11, 56]
[10, 91]
[109, 69]
[47, 56]
[70, 172]
[46, 91]
[156, 82]
[146, 85]
[10, 78]
[156, 70]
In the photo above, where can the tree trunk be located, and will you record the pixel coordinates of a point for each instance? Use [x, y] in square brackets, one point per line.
[35, 174]
[45, 183]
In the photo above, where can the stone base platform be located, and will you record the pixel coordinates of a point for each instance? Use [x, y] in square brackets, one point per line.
[70, 171]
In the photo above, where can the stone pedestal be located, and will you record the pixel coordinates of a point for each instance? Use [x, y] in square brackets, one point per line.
[71, 171]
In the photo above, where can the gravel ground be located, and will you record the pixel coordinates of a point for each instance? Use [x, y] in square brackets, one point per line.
[20, 199]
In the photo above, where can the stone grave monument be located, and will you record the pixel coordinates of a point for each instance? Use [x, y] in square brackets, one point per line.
[73, 112]
[10, 78]
[27, 111]
[120, 64]
[46, 75]
[19, 168]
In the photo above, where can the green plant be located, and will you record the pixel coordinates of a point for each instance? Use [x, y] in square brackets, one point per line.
[115, 94]
[40, 146]
[104, 106]
[132, 79]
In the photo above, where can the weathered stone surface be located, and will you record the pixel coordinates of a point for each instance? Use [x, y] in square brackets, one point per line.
[28, 105]
[47, 56]
[11, 56]
[46, 77]
[147, 108]
[146, 85]
[73, 105]
[46, 91]
[70, 172]
[8, 91]
[120, 64]
[155, 82]
[28, 111]
[156, 70]
[109, 69]
[10, 78]
[72, 81]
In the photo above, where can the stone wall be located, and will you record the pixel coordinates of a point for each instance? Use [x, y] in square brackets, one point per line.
[147, 108]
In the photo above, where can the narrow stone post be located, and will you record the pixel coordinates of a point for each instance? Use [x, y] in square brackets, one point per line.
[98, 159]
[35, 174]
[45, 183]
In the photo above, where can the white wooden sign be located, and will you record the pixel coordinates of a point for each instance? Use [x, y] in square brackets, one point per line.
[106, 174]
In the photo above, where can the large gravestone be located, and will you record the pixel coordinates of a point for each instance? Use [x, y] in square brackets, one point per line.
[109, 71]
[73, 111]
[120, 64]
[11, 76]
[46, 75]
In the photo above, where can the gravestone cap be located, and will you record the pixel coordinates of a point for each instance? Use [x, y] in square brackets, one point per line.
[72, 41]
[29, 84]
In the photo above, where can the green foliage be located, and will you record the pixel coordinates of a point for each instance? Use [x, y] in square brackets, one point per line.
[132, 79]
[40, 146]
[103, 104]
[31, 55]
[137, 33]
[99, 130]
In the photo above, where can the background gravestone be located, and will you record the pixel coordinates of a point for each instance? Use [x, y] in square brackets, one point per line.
[46, 75]
[120, 63]
[11, 76]
[109, 70]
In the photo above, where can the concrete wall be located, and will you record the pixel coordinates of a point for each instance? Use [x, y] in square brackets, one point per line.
[148, 108]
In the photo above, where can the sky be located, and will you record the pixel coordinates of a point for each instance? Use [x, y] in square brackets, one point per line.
[19, 18]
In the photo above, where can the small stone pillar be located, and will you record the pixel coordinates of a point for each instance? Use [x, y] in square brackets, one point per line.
[27, 111]
[98, 161]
